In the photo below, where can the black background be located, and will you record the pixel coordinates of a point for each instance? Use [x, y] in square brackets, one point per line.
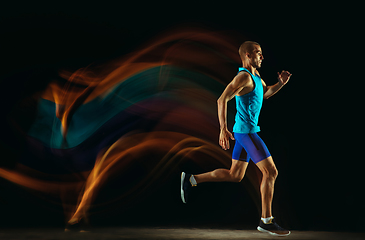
[312, 127]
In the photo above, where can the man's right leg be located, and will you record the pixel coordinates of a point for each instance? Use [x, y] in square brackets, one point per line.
[235, 174]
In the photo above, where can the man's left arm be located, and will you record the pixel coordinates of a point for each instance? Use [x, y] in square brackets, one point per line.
[283, 78]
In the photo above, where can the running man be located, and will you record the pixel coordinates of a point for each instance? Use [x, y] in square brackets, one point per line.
[249, 90]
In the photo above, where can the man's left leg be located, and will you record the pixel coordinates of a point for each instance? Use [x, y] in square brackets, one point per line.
[269, 175]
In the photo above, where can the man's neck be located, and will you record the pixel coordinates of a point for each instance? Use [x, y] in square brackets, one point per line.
[249, 67]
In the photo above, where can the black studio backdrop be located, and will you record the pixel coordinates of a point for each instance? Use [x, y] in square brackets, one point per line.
[317, 183]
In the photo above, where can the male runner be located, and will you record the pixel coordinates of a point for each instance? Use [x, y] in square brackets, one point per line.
[249, 90]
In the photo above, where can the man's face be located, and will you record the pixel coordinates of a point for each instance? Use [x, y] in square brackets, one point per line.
[256, 57]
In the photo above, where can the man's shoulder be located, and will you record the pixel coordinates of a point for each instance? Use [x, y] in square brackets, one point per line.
[243, 77]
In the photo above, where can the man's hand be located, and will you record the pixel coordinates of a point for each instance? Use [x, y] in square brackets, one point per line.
[224, 137]
[284, 77]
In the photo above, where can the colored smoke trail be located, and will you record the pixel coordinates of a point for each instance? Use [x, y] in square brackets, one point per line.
[155, 107]
[176, 148]
[198, 51]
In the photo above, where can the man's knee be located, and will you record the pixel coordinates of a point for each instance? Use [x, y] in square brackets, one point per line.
[236, 176]
[238, 170]
[270, 172]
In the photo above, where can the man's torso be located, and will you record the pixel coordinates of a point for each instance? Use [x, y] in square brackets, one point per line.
[248, 105]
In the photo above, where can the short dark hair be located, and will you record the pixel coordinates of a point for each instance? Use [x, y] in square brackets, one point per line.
[247, 46]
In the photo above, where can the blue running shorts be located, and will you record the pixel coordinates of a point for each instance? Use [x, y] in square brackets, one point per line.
[249, 146]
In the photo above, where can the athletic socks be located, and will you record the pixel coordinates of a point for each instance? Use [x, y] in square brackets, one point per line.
[267, 220]
[193, 181]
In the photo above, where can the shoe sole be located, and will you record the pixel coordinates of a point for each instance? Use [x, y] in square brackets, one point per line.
[272, 233]
[181, 187]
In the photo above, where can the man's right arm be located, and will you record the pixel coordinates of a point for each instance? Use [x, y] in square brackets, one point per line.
[234, 87]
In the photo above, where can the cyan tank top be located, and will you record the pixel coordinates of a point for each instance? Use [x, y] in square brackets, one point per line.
[248, 107]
